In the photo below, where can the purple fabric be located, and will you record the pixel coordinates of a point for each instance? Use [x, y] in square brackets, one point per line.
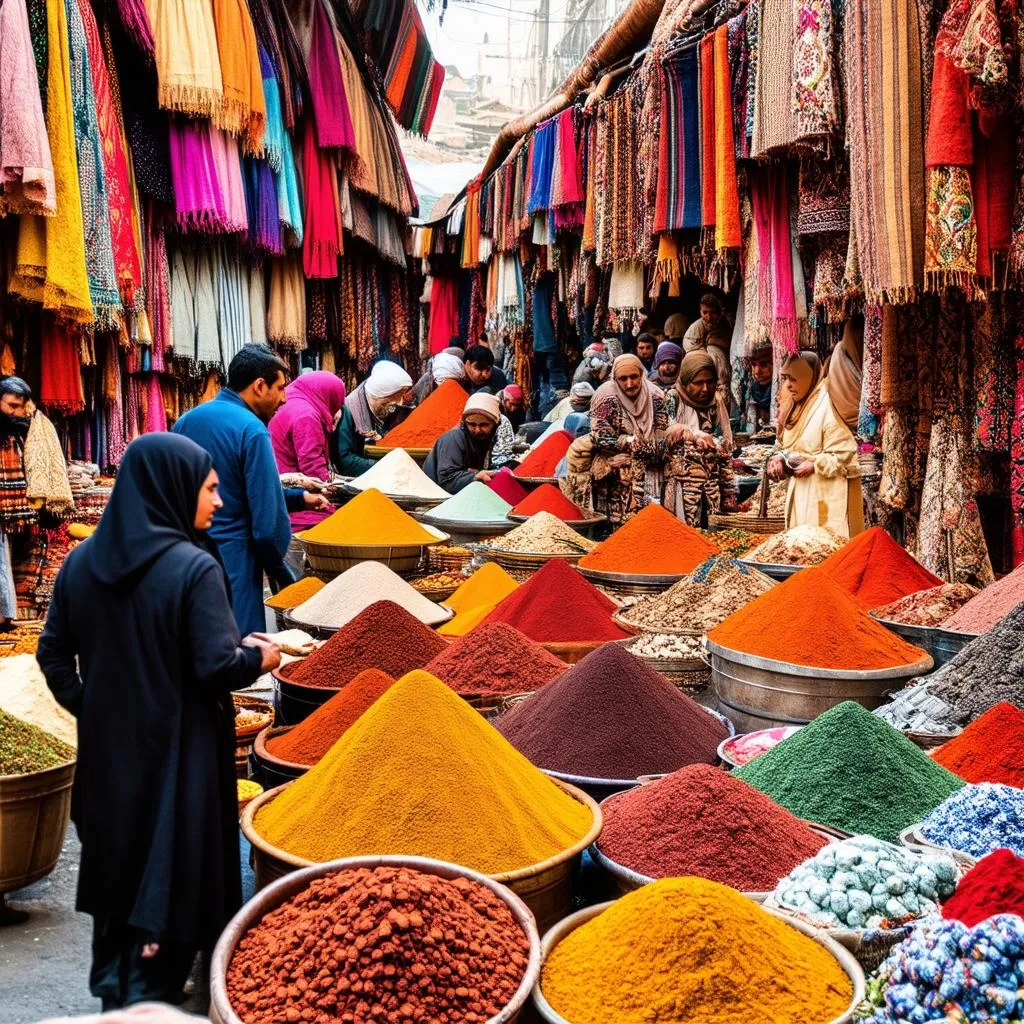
[300, 432]
[330, 104]
[198, 199]
[261, 207]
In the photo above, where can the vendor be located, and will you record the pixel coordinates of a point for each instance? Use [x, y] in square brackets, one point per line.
[844, 372]
[364, 419]
[16, 514]
[446, 365]
[699, 481]
[819, 453]
[463, 454]
[594, 367]
[577, 401]
[481, 373]
[513, 405]
[646, 346]
[666, 365]
[758, 389]
[712, 334]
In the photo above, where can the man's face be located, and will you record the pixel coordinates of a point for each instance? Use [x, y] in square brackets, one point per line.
[12, 405]
[710, 315]
[480, 427]
[645, 350]
[513, 404]
[478, 375]
[761, 369]
[268, 398]
[630, 381]
[668, 370]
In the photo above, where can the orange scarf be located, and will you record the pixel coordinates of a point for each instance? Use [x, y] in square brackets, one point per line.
[727, 197]
[243, 110]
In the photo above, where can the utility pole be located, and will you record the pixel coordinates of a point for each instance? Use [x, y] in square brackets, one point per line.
[543, 20]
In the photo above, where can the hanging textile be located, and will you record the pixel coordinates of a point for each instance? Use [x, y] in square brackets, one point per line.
[545, 140]
[158, 292]
[753, 49]
[728, 234]
[775, 124]
[882, 59]
[227, 165]
[327, 87]
[823, 195]
[738, 63]
[994, 374]
[37, 21]
[1017, 453]
[199, 202]
[770, 200]
[261, 207]
[471, 227]
[444, 313]
[187, 58]
[568, 198]
[135, 20]
[322, 238]
[706, 63]
[815, 91]
[242, 111]
[679, 181]
[60, 377]
[286, 305]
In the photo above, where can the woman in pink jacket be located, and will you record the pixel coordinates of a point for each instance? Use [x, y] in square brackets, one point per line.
[301, 431]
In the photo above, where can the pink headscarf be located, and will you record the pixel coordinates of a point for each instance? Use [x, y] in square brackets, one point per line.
[320, 389]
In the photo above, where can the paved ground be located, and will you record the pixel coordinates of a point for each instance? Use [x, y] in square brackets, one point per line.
[44, 963]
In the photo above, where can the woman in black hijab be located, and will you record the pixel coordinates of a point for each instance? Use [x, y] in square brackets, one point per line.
[143, 606]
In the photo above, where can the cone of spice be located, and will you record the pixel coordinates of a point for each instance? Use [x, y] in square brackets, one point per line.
[423, 774]
[477, 598]
[874, 570]
[495, 661]
[652, 543]
[702, 821]
[982, 612]
[295, 593]
[308, 741]
[26, 748]
[383, 636]
[506, 486]
[995, 885]
[370, 519]
[438, 412]
[990, 749]
[476, 503]
[929, 607]
[543, 534]
[399, 473]
[802, 545]
[544, 459]
[809, 620]
[548, 498]
[611, 716]
[557, 605]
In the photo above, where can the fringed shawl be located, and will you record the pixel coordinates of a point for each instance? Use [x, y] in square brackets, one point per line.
[728, 234]
[322, 242]
[199, 202]
[679, 182]
[544, 143]
[770, 200]
[815, 90]
[187, 58]
[227, 165]
[261, 207]
[243, 108]
[286, 307]
[334, 128]
[568, 199]
[60, 371]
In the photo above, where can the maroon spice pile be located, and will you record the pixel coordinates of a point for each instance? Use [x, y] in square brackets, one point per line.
[383, 636]
[703, 821]
[495, 660]
[611, 716]
[995, 885]
[387, 944]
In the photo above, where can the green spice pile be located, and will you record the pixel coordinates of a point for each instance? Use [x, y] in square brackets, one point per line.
[26, 748]
[850, 770]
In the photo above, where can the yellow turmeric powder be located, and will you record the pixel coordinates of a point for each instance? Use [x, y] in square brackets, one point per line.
[370, 518]
[690, 951]
[465, 622]
[490, 584]
[295, 593]
[422, 773]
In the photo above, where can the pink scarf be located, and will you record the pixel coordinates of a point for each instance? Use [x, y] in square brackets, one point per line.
[321, 243]
[228, 167]
[330, 104]
[770, 198]
[569, 200]
[198, 199]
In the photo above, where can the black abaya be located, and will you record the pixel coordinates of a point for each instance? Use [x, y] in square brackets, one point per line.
[143, 605]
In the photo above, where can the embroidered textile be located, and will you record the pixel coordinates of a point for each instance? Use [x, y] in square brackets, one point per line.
[815, 93]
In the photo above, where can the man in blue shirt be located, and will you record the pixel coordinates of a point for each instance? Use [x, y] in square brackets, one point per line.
[252, 530]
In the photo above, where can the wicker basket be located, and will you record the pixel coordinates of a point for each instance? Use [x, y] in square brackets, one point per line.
[245, 736]
[434, 593]
[749, 523]
[336, 558]
[439, 561]
[521, 565]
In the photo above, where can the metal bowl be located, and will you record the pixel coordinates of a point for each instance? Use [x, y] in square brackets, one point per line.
[948, 643]
[375, 451]
[912, 839]
[576, 524]
[403, 501]
[776, 572]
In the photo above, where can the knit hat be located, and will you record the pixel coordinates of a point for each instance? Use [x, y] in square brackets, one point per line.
[668, 352]
[484, 404]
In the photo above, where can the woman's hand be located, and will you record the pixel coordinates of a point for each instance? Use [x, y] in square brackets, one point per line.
[704, 440]
[315, 502]
[270, 653]
[677, 432]
[803, 469]
[776, 467]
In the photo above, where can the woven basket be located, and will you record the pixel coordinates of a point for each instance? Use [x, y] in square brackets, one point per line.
[433, 593]
[440, 562]
[245, 736]
[748, 522]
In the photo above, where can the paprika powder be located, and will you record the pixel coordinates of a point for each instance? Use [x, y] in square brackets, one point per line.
[995, 885]
[544, 459]
[439, 411]
[990, 749]
[548, 498]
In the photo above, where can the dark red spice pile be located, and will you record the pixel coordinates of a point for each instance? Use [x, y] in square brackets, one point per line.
[557, 605]
[995, 885]
[703, 821]
[388, 944]
[495, 660]
[383, 636]
[611, 716]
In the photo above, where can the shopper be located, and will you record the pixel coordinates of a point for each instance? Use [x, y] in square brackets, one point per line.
[666, 365]
[712, 334]
[16, 515]
[646, 346]
[481, 373]
[463, 454]
[141, 646]
[365, 417]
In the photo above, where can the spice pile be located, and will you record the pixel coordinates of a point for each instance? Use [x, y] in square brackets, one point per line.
[295, 593]
[947, 972]
[437, 583]
[686, 949]
[981, 613]
[398, 473]
[476, 503]
[736, 542]
[864, 883]
[22, 639]
[366, 583]
[702, 600]
[652, 543]
[929, 607]
[438, 412]
[548, 498]
[477, 597]
[611, 716]
[247, 789]
[995, 885]
[986, 672]
[744, 749]
[543, 534]
[702, 821]
[383, 944]
[809, 620]
[544, 459]
[423, 774]
[990, 749]
[26, 748]
[383, 636]
[849, 770]
[803, 545]
[666, 646]
[24, 694]
[495, 661]
[557, 605]
[308, 741]
[506, 486]
[979, 819]
[874, 570]
[370, 519]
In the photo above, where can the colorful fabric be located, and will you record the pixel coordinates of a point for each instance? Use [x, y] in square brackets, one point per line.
[261, 207]
[951, 241]
[330, 103]
[15, 511]
[994, 375]
[545, 141]
[60, 371]
[40, 43]
[728, 233]
[569, 196]
[187, 58]
[815, 92]
[322, 239]
[738, 61]
[198, 199]
[679, 180]
[706, 59]
[242, 111]
[286, 306]
[228, 167]
[770, 201]
[823, 195]
[775, 126]
[1017, 454]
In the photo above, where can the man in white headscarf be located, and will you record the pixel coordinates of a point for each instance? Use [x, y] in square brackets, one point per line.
[578, 400]
[446, 365]
[364, 419]
[463, 454]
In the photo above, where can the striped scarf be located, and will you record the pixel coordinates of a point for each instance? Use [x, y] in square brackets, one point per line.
[679, 185]
[15, 511]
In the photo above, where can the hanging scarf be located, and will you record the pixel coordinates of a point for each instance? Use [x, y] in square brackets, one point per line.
[770, 199]
[60, 371]
[124, 241]
[15, 512]
[261, 207]
[544, 141]
[278, 149]
[707, 130]
[823, 195]
[774, 119]
[738, 63]
[26, 168]
[243, 108]
[569, 201]
[99, 251]
[680, 145]
[322, 243]
[286, 307]
[37, 20]
[199, 201]
[227, 166]
[815, 92]
[135, 20]
[728, 233]
[330, 104]
[158, 291]
[273, 136]
[51, 252]
[187, 58]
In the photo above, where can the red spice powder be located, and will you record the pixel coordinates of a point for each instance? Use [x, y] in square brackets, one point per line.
[557, 605]
[874, 570]
[990, 749]
[652, 543]
[387, 944]
[383, 636]
[703, 821]
[308, 741]
[548, 498]
[440, 411]
[495, 660]
[506, 486]
[995, 885]
[544, 459]
[809, 620]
